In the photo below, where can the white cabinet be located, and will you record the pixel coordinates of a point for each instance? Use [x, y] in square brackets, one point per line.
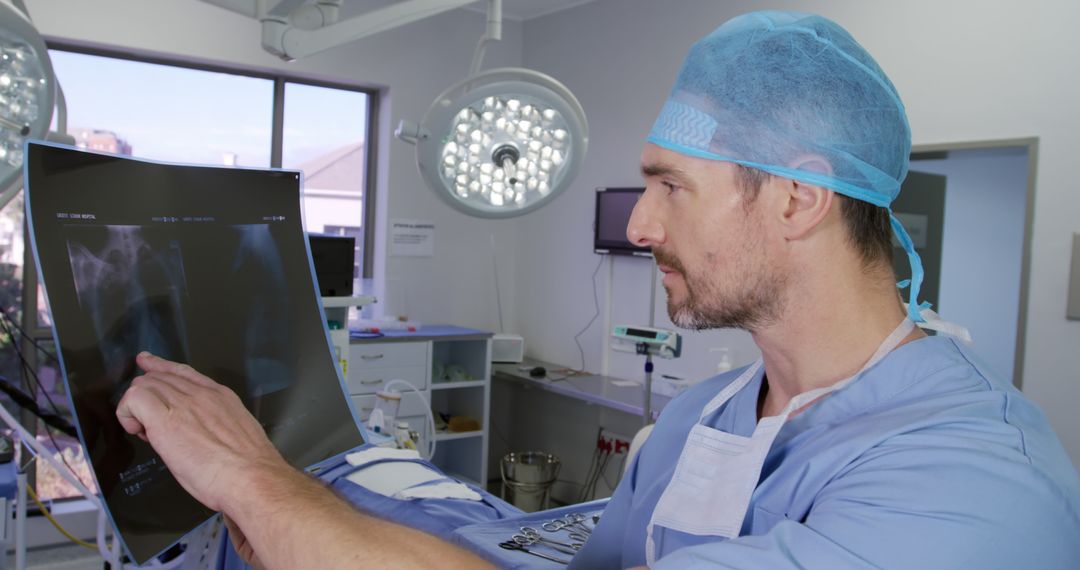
[373, 364]
[452, 373]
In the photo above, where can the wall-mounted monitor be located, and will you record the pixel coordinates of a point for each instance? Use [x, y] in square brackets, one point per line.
[332, 257]
[613, 208]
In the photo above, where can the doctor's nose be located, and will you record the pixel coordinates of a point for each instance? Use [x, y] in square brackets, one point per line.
[644, 228]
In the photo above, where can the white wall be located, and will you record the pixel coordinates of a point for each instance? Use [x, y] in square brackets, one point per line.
[1003, 70]
[411, 64]
[985, 199]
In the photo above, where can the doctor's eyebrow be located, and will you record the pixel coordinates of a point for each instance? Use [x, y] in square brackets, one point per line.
[656, 169]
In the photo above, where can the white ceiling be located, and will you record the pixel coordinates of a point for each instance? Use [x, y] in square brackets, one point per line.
[522, 10]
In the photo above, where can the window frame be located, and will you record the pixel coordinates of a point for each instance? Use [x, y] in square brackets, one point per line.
[280, 79]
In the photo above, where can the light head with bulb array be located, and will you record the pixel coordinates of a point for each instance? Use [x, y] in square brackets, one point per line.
[27, 89]
[502, 143]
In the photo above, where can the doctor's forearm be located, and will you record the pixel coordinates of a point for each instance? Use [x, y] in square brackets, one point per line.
[293, 521]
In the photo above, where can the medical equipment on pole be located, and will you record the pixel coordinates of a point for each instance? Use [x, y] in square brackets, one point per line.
[648, 341]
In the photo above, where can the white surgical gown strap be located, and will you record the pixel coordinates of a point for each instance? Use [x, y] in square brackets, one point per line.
[933, 321]
[717, 472]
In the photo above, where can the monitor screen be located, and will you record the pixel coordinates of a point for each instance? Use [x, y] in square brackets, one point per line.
[334, 266]
[203, 265]
[613, 209]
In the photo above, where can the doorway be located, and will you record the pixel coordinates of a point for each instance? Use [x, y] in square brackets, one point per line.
[968, 207]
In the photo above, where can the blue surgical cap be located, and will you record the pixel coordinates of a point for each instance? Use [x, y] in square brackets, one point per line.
[794, 95]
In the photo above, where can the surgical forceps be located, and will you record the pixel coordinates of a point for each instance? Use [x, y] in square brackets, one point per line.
[573, 522]
[511, 545]
[530, 536]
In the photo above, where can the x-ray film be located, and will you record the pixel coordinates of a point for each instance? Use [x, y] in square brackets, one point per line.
[203, 265]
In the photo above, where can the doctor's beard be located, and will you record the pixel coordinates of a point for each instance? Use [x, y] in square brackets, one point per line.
[747, 297]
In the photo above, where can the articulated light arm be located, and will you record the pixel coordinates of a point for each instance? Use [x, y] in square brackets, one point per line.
[289, 42]
[293, 29]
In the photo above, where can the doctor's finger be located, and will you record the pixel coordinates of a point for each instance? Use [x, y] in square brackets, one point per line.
[140, 405]
[152, 363]
[169, 387]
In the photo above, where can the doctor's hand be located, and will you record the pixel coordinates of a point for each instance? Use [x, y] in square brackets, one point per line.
[241, 544]
[201, 429]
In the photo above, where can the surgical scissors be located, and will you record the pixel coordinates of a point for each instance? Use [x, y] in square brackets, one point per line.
[530, 536]
[511, 545]
[572, 522]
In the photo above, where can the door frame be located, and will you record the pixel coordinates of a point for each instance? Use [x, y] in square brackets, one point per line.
[1031, 144]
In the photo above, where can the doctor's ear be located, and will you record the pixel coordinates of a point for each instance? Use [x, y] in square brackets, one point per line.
[804, 206]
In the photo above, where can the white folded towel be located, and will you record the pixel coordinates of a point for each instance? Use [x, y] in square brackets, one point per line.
[446, 490]
[378, 454]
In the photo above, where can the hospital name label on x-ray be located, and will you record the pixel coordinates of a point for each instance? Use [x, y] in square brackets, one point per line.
[67, 216]
[412, 238]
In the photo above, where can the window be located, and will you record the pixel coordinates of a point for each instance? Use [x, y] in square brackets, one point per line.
[178, 112]
[328, 143]
[164, 112]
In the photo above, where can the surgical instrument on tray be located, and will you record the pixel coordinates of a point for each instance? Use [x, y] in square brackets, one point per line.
[530, 537]
[532, 541]
[573, 522]
[511, 545]
[577, 537]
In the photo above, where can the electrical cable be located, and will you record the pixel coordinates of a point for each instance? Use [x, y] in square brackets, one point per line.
[55, 523]
[495, 272]
[599, 476]
[27, 403]
[37, 344]
[602, 464]
[596, 304]
[594, 462]
[599, 472]
[618, 478]
[7, 324]
[388, 386]
[498, 433]
[28, 373]
[583, 496]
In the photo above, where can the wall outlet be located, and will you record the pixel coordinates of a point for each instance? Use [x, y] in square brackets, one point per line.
[616, 444]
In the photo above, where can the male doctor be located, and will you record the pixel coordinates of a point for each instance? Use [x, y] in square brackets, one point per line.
[857, 441]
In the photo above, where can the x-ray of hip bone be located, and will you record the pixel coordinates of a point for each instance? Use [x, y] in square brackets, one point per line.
[199, 264]
[130, 282]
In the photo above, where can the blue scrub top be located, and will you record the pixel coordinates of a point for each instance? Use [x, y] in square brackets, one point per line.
[927, 461]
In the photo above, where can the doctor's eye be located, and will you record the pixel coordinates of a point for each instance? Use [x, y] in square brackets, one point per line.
[670, 187]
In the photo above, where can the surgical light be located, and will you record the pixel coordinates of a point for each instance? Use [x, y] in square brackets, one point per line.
[497, 144]
[501, 143]
[27, 93]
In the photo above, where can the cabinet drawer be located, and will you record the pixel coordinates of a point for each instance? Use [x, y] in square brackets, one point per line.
[369, 380]
[411, 405]
[366, 356]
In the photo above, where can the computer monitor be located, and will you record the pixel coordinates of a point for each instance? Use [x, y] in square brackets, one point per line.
[333, 257]
[202, 265]
[613, 208]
